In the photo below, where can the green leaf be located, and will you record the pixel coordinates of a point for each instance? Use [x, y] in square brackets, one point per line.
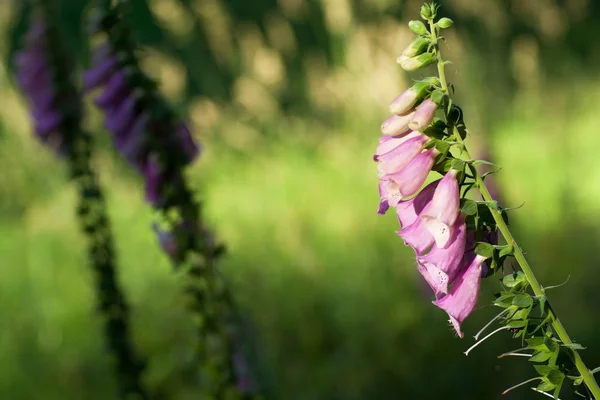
[578, 381]
[434, 132]
[468, 207]
[484, 249]
[511, 312]
[511, 280]
[543, 369]
[507, 250]
[574, 346]
[442, 146]
[546, 386]
[542, 300]
[540, 356]
[556, 377]
[480, 162]
[504, 301]
[523, 300]
[458, 164]
[523, 313]
[517, 323]
[557, 391]
[536, 343]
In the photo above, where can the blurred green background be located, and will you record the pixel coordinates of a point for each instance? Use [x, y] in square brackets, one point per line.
[287, 97]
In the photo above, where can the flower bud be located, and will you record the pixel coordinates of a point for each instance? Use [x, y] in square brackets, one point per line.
[426, 11]
[409, 97]
[423, 116]
[417, 27]
[417, 47]
[396, 124]
[414, 63]
[445, 23]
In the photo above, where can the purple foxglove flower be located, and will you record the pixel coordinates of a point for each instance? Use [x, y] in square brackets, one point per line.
[440, 214]
[409, 179]
[383, 195]
[187, 143]
[154, 178]
[101, 53]
[167, 241]
[31, 80]
[47, 123]
[396, 124]
[416, 236]
[408, 211]
[115, 90]
[393, 161]
[404, 103]
[131, 144]
[100, 73]
[461, 300]
[423, 116]
[441, 266]
[123, 115]
[389, 143]
[42, 99]
[245, 383]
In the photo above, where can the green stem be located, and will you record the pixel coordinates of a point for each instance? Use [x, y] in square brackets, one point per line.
[537, 288]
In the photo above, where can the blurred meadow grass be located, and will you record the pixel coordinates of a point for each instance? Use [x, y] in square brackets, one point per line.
[336, 306]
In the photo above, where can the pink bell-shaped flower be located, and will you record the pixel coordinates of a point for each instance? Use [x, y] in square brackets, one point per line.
[423, 116]
[441, 266]
[409, 179]
[461, 300]
[383, 198]
[408, 211]
[396, 124]
[405, 102]
[417, 237]
[443, 210]
[389, 143]
[393, 161]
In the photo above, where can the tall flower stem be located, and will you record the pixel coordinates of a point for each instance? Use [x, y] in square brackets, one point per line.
[76, 148]
[537, 288]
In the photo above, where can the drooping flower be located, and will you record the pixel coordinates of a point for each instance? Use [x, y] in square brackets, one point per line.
[396, 159]
[443, 210]
[461, 300]
[167, 241]
[396, 124]
[134, 124]
[404, 102]
[389, 143]
[417, 237]
[409, 179]
[408, 211]
[423, 116]
[441, 266]
[36, 77]
[383, 198]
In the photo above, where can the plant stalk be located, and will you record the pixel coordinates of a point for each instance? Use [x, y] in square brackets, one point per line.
[537, 288]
